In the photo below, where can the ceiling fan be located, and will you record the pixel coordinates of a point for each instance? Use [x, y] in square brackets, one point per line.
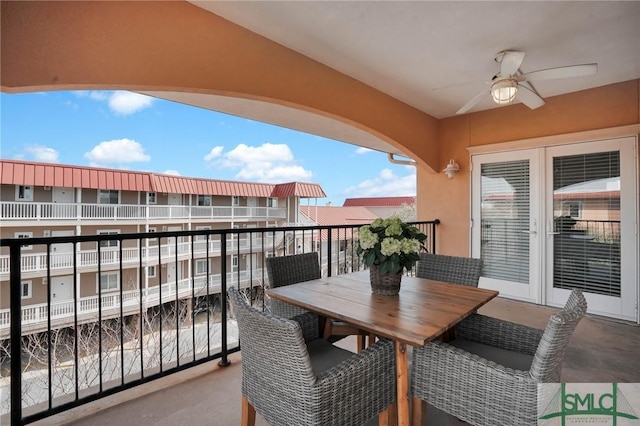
[510, 82]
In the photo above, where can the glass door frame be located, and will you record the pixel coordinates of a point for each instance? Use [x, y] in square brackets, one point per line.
[624, 307]
[532, 291]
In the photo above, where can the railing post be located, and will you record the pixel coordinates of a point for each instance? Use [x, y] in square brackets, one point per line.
[223, 296]
[329, 251]
[433, 238]
[15, 294]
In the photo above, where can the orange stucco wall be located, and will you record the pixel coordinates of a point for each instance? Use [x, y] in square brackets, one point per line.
[173, 45]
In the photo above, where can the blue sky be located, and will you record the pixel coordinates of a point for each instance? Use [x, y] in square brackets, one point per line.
[124, 130]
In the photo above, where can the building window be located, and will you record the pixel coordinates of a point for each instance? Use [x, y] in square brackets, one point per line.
[151, 271]
[272, 202]
[109, 243]
[24, 235]
[201, 266]
[235, 200]
[106, 196]
[204, 200]
[109, 281]
[234, 261]
[24, 193]
[151, 197]
[26, 289]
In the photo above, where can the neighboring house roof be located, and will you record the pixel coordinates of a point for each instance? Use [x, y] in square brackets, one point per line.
[335, 215]
[15, 172]
[379, 202]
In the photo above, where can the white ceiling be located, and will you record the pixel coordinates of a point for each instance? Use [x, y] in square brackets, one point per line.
[414, 50]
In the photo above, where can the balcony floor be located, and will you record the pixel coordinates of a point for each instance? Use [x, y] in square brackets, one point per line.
[600, 350]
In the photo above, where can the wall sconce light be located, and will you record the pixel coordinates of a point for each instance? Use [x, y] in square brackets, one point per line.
[451, 169]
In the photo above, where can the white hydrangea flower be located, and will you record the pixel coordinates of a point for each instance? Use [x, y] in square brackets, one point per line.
[390, 246]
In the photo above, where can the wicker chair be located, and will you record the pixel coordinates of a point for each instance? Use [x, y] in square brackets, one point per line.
[453, 269]
[293, 382]
[286, 270]
[489, 374]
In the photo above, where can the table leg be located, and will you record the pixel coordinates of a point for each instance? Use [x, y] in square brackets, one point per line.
[402, 383]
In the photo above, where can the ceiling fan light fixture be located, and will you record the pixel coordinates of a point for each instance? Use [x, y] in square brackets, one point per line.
[504, 90]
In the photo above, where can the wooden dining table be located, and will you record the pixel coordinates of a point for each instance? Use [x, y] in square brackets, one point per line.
[422, 311]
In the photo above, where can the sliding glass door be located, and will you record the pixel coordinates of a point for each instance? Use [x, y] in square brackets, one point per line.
[548, 220]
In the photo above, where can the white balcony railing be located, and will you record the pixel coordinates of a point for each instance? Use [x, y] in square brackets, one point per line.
[111, 302]
[32, 211]
[88, 259]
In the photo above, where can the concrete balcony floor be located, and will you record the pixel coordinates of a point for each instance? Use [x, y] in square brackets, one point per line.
[601, 350]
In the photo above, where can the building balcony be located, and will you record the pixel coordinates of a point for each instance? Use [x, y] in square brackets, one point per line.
[36, 317]
[60, 213]
[37, 263]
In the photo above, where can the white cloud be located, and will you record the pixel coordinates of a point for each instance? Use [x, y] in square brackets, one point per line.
[126, 103]
[214, 153]
[265, 163]
[117, 151]
[172, 172]
[386, 184]
[120, 102]
[43, 153]
[363, 150]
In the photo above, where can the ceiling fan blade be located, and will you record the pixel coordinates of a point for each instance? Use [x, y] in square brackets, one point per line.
[560, 72]
[473, 102]
[529, 97]
[510, 63]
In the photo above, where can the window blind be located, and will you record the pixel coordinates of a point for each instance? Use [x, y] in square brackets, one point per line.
[586, 211]
[505, 220]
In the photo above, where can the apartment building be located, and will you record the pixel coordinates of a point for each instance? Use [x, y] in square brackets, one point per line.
[54, 200]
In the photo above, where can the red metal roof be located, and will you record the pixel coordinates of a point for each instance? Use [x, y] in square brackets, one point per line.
[298, 189]
[42, 174]
[379, 201]
[15, 172]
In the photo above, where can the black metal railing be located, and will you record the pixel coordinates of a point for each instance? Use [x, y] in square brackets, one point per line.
[145, 317]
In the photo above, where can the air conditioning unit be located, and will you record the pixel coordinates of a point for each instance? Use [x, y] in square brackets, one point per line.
[47, 188]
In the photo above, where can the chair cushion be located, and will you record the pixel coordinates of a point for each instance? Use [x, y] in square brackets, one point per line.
[511, 359]
[324, 355]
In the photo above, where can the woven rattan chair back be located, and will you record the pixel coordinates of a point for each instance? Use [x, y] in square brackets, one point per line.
[547, 361]
[273, 350]
[280, 383]
[286, 270]
[452, 269]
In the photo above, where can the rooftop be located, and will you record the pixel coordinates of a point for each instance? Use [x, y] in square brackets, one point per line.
[15, 172]
[380, 201]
